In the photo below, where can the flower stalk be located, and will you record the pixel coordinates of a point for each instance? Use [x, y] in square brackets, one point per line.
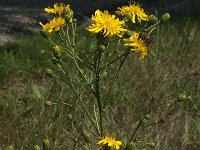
[92, 70]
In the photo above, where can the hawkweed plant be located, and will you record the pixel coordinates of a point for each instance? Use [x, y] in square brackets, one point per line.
[129, 30]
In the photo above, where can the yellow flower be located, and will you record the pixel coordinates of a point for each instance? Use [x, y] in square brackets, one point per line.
[136, 44]
[106, 24]
[53, 25]
[62, 10]
[135, 10]
[58, 8]
[111, 142]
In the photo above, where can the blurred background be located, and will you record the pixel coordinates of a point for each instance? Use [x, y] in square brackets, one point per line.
[19, 17]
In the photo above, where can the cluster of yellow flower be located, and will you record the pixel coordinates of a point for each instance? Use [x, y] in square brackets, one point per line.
[110, 25]
[63, 15]
[104, 25]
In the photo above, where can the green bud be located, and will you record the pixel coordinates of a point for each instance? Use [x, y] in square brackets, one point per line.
[70, 117]
[10, 147]
[57, 51]
[102, 48]
[49, 72]
[44, 34]
[36, 147]
[68, 14]
[125, 26]
[75, 140]
[147, 116]
[74, 20]
[49, 103]
[46, 144]
[129, 32]
[144, 121]
[165, 17]
[130, 146]
[153, 19]
[181, 98]
[86, 136]
[151, 144]
[129, 16]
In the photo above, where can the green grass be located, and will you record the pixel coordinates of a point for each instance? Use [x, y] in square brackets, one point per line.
[33, 106]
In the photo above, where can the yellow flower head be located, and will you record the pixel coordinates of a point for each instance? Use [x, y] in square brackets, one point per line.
[53, 25]
[136, 44]
[106, 24]
[61, 9]
[58, 8]
[135, 10]
[111, 142]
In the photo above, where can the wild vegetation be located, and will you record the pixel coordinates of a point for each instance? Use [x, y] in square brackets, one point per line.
[38, 110]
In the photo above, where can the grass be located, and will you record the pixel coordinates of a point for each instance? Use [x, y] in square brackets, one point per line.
[34, 106]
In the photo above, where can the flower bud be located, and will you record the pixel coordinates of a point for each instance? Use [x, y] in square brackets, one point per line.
[68, 18]
[49, 103]
[68, 14]
[46, 144]
[36, 147]
[165, 17]
[129, 32]
[102, 48]
[153, 19]
[129, 16]
[49, 72]
[86, 136]
[151, 144]
[57, 51]
[10, 147]
[143, 121]
[75, 140]
[181, 98]
[147, 116]
[74, 20]
[70, 117]
[130, 146]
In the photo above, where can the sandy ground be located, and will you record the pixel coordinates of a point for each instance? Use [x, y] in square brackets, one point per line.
[16, 21]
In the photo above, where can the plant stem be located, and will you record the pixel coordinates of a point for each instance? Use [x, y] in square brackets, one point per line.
[97, 89]
[125, 55]
[99, 103]
[78, 97]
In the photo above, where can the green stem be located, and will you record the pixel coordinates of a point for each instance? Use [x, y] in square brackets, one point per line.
[148, 112]
[86, 81]
[99, 103]
[123, 55]
[73, 33]
[78, 97]
[97, 89]
[153, 26]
